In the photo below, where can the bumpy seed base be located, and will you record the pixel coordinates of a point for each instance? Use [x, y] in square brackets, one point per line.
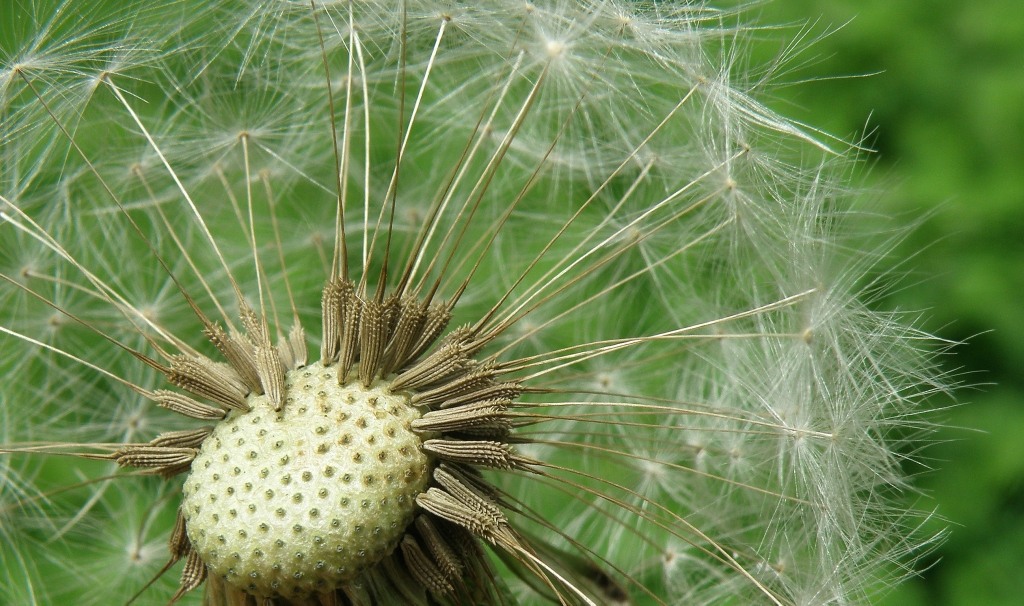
[302, 500]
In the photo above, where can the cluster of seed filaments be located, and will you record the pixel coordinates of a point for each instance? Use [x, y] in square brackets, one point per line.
[318, 475]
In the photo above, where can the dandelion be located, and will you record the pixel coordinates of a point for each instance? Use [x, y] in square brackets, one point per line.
[508, 303]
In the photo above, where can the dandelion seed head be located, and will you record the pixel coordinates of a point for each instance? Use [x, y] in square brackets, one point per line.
[578, 319]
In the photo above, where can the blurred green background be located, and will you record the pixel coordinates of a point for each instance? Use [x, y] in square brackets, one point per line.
[942, 103]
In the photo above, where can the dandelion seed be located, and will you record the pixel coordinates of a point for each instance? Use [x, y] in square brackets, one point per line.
[577, 335]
